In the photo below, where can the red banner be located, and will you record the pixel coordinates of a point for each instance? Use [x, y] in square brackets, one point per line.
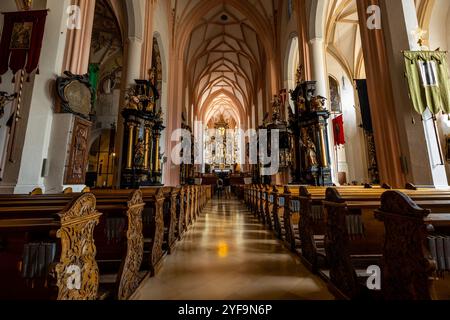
[338, 130]
[21, 42]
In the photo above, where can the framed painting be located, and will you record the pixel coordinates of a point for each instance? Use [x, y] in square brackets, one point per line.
[21, 36]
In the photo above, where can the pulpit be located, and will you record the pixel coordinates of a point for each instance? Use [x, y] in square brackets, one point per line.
[309, 123]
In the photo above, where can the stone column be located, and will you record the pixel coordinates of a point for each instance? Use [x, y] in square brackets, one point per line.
[134, 55]
[407, 156]
[300, 9]
[319, 73]
[132, 71]
[147, 48]
[78, 43]
[318, 66]
[39, 125]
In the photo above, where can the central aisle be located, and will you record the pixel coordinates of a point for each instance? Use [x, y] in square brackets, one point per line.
[229, 255]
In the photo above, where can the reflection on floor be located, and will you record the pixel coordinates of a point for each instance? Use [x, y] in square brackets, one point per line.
[229, 255]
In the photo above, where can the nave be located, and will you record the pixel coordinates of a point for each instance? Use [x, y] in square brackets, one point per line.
[230, 255]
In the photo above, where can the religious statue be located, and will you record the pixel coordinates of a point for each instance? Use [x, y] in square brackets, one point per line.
[311, 151]
[139, 154]
[276, 108]
[135, 103]
[301, 103]
[318, 103]
[133, 100]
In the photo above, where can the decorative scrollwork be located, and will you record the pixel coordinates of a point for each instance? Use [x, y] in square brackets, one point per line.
[157, 248]
[129, 274]
[78, 250]
[173, 218]
[180, 213]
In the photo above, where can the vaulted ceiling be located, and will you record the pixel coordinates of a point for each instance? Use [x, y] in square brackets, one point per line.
[343, 36]
[224, 58]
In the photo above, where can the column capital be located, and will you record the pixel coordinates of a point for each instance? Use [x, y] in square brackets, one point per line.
[316, 41]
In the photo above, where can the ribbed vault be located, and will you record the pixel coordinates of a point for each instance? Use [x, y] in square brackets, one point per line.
[225, 61]
[343, 36]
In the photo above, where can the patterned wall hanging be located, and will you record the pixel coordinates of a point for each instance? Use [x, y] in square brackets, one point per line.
[21, 42]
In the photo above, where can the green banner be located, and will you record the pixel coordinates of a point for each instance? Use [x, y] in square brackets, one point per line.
[94, 75]
[427, 75]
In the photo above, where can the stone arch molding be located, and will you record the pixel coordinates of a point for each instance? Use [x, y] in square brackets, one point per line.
[317, 16]
[190, 19]
[204, 110]
[162, 51]
[135, 18]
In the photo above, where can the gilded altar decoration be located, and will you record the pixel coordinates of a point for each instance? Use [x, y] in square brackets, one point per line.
[24, 4]
[129, 275]
[77, 261]
[277, 123]
[143, 127]
[21, 41]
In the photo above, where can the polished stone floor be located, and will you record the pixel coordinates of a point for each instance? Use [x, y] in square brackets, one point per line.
[229, 255]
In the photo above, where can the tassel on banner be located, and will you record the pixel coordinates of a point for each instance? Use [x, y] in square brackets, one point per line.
[0, 80]
[37, 71]
[28, 78]
[13, 79]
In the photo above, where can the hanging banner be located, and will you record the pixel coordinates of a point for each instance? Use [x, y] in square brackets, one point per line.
[338, 129]
[363, 96]
[21, 43]
[427, 75]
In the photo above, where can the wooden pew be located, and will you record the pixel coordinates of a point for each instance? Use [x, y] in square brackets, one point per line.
[170, 218]
[363, 243]
[152, 220]
[114, 203]
[120, 243]
[187, 207]
[181, 219]
[68, 232]
[348, 255]
[408, 268]
[354, 240]
[153, 229]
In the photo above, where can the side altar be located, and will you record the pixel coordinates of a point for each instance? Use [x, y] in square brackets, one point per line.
[143, 125]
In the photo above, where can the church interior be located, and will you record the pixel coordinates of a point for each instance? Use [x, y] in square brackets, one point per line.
[224, 150]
